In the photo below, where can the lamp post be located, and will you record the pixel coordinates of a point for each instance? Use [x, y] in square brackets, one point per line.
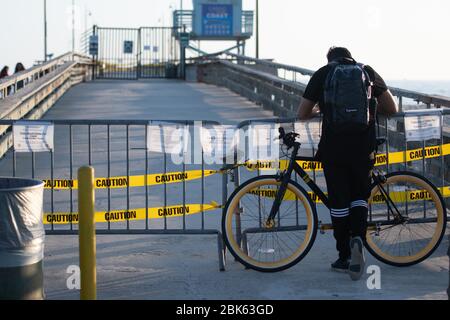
[73, 25]
[257, 29]
[45, 30]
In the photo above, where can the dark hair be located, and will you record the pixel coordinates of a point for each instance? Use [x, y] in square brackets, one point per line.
[19, 67]
[4, 72]
[338, 52]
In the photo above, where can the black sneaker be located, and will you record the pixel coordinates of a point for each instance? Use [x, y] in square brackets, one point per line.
[340, 265]
[357, 262]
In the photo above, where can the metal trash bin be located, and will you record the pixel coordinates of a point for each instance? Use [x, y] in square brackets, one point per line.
[22, 238]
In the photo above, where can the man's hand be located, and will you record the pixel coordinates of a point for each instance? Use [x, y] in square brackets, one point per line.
[308, 109]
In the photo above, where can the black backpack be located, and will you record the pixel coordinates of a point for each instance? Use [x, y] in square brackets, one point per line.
[347, 98]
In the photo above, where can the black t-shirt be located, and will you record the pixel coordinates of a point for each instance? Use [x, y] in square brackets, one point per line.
[344, 147]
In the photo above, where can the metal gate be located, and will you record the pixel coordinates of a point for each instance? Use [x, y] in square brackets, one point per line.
[127, 53]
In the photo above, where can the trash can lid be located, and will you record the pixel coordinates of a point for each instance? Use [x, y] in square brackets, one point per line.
[19, 184]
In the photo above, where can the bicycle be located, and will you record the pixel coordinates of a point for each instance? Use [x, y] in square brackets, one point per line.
[270, 222]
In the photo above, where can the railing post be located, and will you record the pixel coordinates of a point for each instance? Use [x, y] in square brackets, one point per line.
[87, 241]
[182, 61]
[94, 57]
[139, 55]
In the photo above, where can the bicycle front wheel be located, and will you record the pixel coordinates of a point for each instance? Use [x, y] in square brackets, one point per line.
[404, 243]
[269, 247]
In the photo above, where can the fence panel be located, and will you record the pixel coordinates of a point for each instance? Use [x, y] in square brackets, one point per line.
[141, 187]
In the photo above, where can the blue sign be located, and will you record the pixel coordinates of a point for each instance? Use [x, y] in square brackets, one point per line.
[128, 47]
[217, 20]
[93, 45]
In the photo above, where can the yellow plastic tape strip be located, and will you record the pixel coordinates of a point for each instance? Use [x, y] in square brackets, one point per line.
[133, 214]
[381, 159]
[288, 196]
[413, 155]
[410, 196]
[134, 181]
[396, 196]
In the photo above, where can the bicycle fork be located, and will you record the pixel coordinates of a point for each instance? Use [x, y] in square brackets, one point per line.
[392, 208]
[285, 177]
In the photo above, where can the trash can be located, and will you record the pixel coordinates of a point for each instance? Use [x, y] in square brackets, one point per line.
[22, 237]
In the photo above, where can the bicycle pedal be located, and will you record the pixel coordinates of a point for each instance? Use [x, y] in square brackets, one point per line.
[321, 228]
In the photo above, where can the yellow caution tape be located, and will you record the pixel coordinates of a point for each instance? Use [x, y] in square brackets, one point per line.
[381, 159]
[409, 196]
[288, 196]
[413, 155]
[396, 196]
[133, 181]
[133, 214]
[177, 177]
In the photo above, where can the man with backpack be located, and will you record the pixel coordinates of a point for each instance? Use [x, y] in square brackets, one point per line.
[349, 95]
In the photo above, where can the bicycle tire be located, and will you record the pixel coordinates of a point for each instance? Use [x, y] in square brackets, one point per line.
[402, 260]
[240, 251]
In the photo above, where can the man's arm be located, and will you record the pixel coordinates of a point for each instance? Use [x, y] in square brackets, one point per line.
[386, 104]
[307, 109]
[313, 91]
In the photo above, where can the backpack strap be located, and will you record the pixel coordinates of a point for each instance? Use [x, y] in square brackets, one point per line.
[369, 82]
[344, 60]
[372, 105]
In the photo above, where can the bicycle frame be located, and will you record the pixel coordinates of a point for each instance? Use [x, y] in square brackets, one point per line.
[293, 166]
[286, 176]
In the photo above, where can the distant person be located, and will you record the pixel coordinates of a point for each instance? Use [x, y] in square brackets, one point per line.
[348, 95]
[4, 73]
[19, 68]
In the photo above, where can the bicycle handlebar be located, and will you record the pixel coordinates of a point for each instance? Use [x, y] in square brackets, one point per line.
[288, 138]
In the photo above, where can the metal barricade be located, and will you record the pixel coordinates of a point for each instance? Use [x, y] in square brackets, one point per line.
[430, 158]
[138, 192]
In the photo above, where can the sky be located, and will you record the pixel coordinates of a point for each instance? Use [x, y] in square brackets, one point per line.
[401, 39]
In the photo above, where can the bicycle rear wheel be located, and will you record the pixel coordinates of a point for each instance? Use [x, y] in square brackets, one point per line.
[415, 239]
[263, 247]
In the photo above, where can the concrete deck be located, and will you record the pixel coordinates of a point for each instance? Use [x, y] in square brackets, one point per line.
[154, 100]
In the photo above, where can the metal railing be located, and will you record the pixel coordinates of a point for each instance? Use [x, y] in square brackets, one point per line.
[41, 87]
[84, 41]
[16, 82]
[301, 76]
[257, 84]
[139, 192]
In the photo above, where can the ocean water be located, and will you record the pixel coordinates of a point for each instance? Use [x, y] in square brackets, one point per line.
[441, 87]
